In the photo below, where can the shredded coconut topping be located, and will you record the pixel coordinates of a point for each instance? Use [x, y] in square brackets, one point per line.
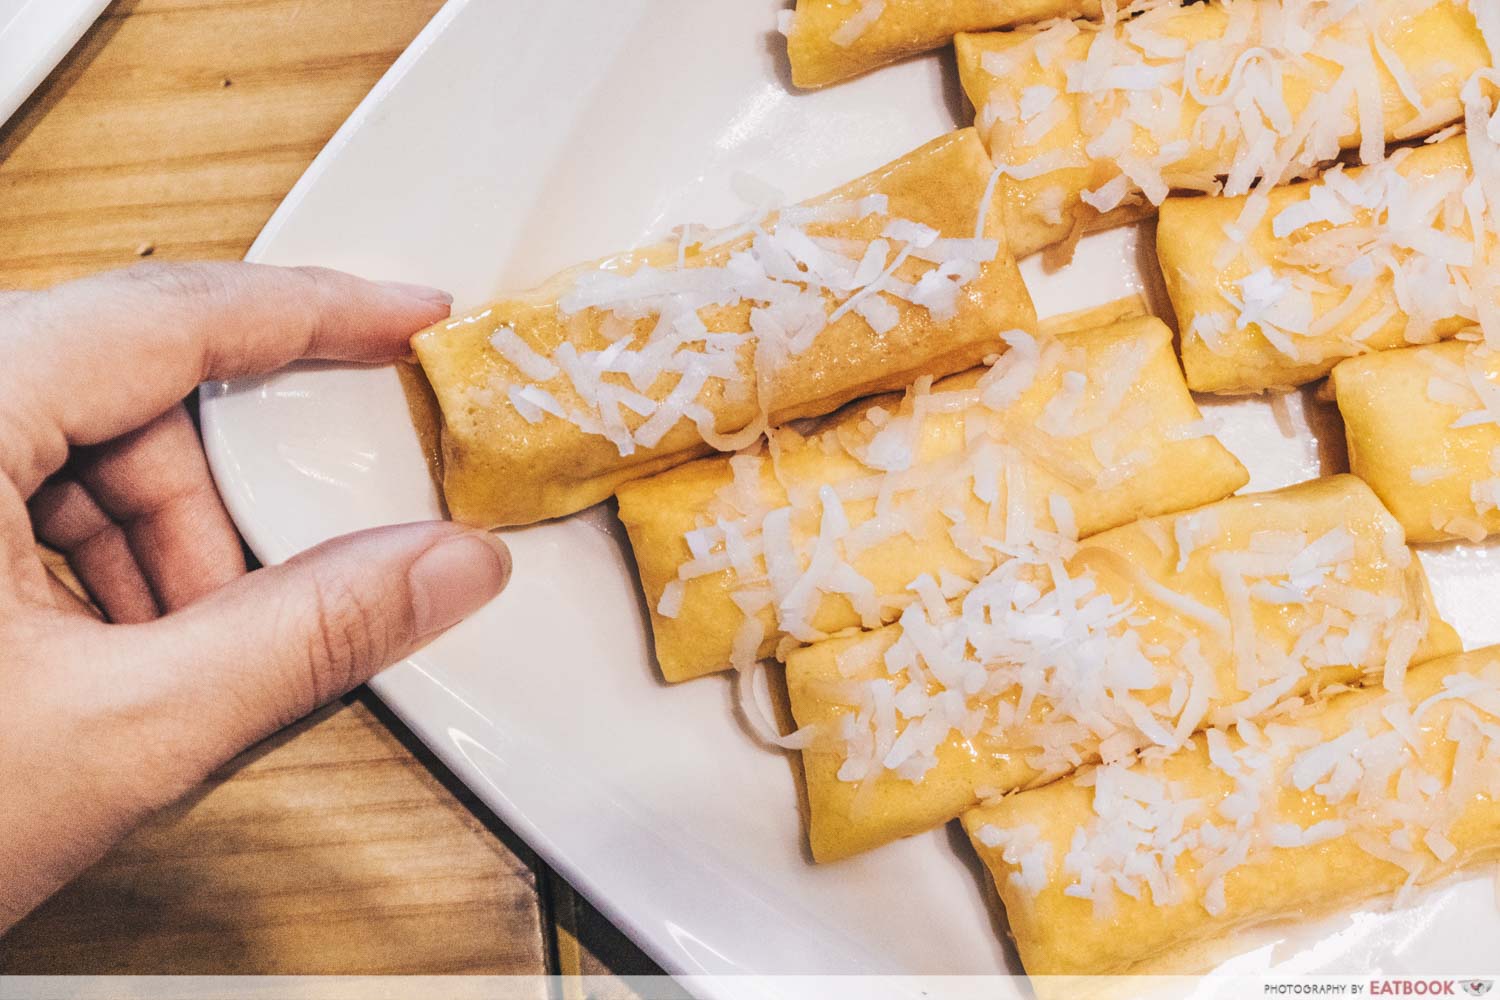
[1390, 246]
[1022, 847]
[988, 462]
[860, 22]
[1044, 659]
[740, 532]
[779, 283]
[1467, 386]
[1160, 111]
[1486, 492]
[1395, 780]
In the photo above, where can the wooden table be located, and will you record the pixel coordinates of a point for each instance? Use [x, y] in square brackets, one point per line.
[341, 845]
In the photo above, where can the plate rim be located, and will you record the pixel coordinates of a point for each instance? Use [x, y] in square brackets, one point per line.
[18, 81]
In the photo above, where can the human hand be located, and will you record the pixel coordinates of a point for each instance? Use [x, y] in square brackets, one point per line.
[102, 723]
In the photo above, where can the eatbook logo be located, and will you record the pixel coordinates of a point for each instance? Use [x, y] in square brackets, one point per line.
[1477, 987]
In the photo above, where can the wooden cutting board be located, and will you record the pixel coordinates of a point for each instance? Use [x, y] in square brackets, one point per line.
[340, 846]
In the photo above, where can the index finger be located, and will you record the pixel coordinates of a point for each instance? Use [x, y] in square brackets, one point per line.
[93, 359]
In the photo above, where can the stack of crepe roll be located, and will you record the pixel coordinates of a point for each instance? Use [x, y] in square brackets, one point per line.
[1096, 124]
[814, 534]
[1134, 638]
[1384, 277]
[1005, 562]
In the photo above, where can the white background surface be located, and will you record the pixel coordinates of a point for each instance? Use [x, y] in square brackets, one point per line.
[516, 138]
[34, 36]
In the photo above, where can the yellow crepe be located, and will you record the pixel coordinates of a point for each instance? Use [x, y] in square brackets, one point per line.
[1134, 306]
[833, 40]
[1424, 438]
[1161, 460]
[503, 374]
[1084, 156]
[1276, 312]
[1146, 644]
[1321, 828]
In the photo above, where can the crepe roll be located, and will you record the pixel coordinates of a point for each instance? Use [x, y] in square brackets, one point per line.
[1273, 290]
[1122, 867]
[1423, 426]
[1092, 125]
[833, 40]
[613, 371]
[1140, 637]
[831, 530]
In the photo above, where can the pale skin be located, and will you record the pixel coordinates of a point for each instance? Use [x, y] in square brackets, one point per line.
[103, 721]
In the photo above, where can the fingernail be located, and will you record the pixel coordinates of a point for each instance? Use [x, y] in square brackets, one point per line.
[423, 292]
[455, 578]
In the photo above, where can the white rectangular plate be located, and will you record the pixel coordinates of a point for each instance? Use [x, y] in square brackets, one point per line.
[517, 138]
[34, 36]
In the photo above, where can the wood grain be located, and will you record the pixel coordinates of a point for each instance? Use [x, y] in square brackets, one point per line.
[328, 850]
[181, 124]
[340, 846]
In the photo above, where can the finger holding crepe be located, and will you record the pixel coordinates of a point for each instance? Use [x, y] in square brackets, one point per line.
[1139, 638]
[1423, 426]
[1094, 125]
[1366, 795]
[739, 556]
[610, 372]
[833, 40]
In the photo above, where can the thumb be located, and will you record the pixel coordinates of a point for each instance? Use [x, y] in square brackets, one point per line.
[269, 648]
